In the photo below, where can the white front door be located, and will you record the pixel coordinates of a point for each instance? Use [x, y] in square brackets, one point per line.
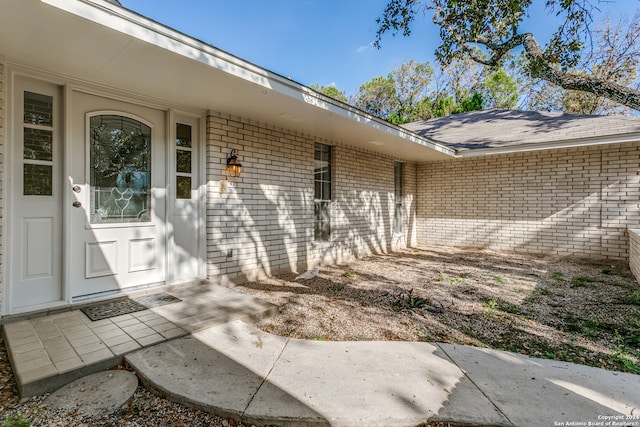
[116, 229]
[35, 206]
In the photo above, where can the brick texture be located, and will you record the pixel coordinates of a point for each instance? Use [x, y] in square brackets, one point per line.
[575, 201]
[263, 221]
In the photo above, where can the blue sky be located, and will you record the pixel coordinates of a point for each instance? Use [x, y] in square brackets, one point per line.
[317, 41]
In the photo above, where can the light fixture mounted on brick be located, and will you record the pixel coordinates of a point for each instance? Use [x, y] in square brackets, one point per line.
[234, 168]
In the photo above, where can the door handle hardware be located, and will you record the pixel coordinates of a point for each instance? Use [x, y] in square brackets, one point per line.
[76, 188]
[77, 204]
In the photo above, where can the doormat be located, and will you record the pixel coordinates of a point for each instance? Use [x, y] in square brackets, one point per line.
[122, 306]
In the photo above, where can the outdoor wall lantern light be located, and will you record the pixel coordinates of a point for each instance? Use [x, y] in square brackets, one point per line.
[234, 168]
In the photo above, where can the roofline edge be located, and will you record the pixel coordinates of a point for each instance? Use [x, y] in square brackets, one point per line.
[572, 143]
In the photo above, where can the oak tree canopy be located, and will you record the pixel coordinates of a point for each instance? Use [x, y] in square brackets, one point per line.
[488, 31]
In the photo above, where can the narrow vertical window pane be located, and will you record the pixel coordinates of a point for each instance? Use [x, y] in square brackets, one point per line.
[322, 192]
[37, 180]
[183, 161]
[38, 109]
[322, 231]
[120, 173]
[398, 222]
[38, 144]
[183, 187]
[398, 181]
[183, 135]
[326, 190]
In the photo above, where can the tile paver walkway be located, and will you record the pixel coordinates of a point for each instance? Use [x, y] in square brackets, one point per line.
[47, 352]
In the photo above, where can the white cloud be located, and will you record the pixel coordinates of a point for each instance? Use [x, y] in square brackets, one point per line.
[365, 48]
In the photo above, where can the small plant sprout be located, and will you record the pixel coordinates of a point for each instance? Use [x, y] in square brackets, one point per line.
[490, 308]
[16, 421]
[501, 279]
[408, 301]
[634, 298]
[350, 274]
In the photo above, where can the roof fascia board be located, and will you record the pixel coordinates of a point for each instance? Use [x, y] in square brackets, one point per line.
[582, 142]
[144, 29]
[355, 114]
[150, 31]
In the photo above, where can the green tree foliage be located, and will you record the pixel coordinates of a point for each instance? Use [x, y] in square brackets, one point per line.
[331, 91]
[472, 103]
[411, 83]
[416, 91]
[488, 31]
[377, 97]
[501, 90]
[398, 97]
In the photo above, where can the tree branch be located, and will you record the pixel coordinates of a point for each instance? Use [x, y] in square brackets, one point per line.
[540, 67]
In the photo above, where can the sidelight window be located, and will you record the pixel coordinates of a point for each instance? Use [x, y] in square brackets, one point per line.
[184, 152]
[37, 170]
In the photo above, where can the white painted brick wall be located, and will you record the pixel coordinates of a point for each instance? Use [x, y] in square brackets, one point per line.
[576, 201]
[265, 218]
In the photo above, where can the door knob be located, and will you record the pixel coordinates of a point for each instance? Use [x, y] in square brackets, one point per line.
[77, 204]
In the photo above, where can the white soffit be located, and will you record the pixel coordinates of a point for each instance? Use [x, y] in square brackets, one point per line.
[102, 43]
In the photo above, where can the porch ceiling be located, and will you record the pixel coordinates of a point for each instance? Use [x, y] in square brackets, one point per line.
[98, 42]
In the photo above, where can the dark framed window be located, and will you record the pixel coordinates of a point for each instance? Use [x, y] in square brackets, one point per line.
[38, 141]
[397, 176]
[322, 196]
[184, 154]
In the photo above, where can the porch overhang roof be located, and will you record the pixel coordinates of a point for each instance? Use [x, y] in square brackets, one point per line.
[99, 42]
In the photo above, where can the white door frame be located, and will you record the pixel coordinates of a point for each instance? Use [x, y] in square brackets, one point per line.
[15, 85]
[68, 86]
[198, 121]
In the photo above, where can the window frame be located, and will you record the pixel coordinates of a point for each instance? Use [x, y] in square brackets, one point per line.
[323, 183]
[32, 162]
[183, 149]
[398, 220]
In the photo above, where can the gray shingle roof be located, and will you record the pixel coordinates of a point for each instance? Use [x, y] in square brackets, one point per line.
[510, 128]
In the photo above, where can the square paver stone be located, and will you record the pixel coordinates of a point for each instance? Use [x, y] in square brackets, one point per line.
[117, 340]
[173, 333]
[84, 341]
[37, 373]
[125, 347]
[90, 348]
[97, 356]
[150, 339]
[68, 365]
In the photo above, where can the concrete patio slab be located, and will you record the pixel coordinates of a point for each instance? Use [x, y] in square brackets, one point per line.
[545, 392]
[98, 394]
[238, 371]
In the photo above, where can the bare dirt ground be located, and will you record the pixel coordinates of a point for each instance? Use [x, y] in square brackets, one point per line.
[580, 311]
[566, 309]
